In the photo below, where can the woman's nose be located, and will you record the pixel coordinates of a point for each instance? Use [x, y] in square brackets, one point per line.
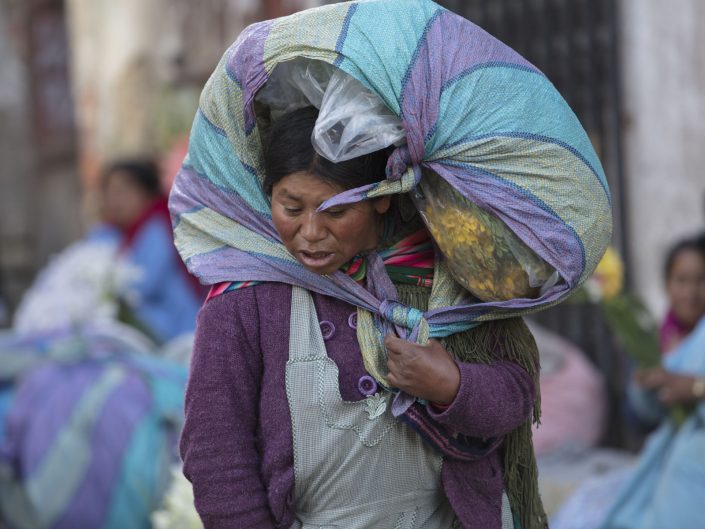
[312, 229]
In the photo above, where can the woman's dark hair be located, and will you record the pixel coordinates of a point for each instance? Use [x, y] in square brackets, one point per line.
[143, 173]
[691, 244]
[288, 149]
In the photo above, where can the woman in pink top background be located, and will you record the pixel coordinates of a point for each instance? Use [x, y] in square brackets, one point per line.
[684, 274]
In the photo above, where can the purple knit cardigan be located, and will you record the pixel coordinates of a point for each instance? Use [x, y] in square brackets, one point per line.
[236, 443]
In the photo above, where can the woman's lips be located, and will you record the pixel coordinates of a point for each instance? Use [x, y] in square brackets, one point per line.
[316, 259]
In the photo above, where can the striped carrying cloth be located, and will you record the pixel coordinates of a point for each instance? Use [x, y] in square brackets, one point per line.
[475, 113]
[89, 436]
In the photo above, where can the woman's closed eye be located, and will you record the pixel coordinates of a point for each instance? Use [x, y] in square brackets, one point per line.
[336, 212]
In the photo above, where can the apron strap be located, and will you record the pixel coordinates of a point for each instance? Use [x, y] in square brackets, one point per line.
[304, 329]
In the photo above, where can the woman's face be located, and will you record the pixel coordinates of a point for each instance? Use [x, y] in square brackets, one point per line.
[685, 286]
[123, 200]
[323, 241]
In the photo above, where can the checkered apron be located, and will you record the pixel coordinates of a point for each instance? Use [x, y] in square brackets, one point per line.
[355, 465]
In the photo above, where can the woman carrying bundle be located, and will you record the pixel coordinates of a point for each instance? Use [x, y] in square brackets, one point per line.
[442, 190]
[285, 428]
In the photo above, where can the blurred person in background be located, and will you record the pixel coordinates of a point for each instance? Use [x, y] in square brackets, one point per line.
[684, 274]
[665, 487]
[88, 405]
[165, 298]
[668, 484]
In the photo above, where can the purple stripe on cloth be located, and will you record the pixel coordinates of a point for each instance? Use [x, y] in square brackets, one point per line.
[236, 265]
[192, 191]
[246, 67]
[417, 417]
[344, 33]
[122, 411]
[443, 54]
[51, 392]
[356, 194]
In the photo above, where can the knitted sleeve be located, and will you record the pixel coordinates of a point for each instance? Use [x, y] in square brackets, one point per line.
[498, 380]
[218, 443]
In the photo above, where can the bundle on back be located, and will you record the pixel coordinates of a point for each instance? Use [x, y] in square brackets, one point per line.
[474, 113]
[497, 164]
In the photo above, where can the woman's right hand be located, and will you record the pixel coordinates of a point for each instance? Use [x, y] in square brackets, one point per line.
[426, 371]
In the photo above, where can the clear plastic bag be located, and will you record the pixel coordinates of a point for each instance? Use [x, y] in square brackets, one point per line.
[352, 121]
[483, 254]
[295, 84]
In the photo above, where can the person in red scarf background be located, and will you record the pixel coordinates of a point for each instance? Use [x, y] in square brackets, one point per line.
[165, 298]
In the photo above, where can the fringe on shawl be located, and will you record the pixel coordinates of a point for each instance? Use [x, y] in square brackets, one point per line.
[508, 339]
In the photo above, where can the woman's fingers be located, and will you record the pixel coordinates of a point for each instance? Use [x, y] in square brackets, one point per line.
[395, 345]
[427, 371]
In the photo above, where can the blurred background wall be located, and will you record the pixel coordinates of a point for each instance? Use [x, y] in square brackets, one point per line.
[83, 82]
[40, 193]
[663, 72]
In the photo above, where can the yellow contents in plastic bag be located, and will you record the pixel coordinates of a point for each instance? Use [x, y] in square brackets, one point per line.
[483, 254]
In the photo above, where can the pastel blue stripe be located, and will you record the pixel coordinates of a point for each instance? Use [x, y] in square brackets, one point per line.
[464, 73]
[344, 33]
[464, 107]
[368, 36]
[212, 154]
[5, 403]
[441, 331]
[134, 495]
[490, 64]
[200, 115]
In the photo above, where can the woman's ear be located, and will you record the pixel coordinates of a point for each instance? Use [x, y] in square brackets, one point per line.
[381, 204]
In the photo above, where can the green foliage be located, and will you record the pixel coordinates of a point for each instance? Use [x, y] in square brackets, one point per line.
[632, 325]
[634, 328]
[126, 315]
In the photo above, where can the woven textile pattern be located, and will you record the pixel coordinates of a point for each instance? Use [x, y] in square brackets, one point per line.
[474, 112]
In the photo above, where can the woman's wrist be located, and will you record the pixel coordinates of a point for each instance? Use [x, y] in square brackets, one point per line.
[450, 389]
